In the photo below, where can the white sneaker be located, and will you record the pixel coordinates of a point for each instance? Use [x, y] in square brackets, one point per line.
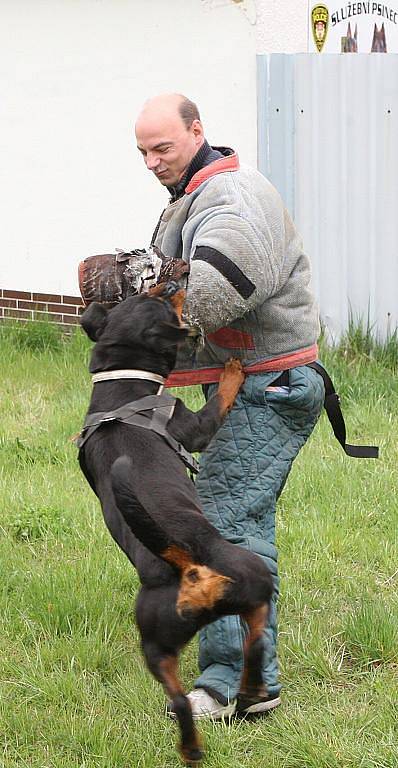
[203, 705]
[268, 703]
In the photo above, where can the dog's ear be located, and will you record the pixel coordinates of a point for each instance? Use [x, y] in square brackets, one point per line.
[163, 335]
[94, 320]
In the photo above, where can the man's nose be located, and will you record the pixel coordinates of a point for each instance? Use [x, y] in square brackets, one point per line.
[152, 161]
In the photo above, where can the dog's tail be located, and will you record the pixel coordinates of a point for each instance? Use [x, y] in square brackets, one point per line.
[141, 523]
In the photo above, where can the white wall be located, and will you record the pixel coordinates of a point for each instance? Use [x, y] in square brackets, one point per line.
[282, 26]
[73, 75]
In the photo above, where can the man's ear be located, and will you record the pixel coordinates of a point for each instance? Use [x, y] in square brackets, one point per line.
[163, 335]
[94, 320]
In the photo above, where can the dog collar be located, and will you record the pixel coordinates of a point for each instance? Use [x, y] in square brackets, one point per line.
[127, 373]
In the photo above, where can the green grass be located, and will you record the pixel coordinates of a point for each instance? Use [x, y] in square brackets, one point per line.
[74, 691]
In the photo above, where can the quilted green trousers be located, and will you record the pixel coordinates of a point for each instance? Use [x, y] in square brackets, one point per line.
[241, 475]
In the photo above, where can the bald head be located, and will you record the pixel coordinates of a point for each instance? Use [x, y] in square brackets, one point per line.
[171, 103]
[169, 133]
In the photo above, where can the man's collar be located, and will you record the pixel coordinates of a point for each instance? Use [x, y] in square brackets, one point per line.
[204, 156]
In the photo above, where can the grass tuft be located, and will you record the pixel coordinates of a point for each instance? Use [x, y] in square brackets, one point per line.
[370, 632]
[362, 342]
[29, 523]
[37, 336]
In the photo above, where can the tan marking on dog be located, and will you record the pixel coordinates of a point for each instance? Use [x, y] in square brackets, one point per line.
[177, 302]
[185, 752]
[168, 668]
[156, 290]
[201, 587]
[169, 676]
[177, 557]
[256, 621]
[231, 381]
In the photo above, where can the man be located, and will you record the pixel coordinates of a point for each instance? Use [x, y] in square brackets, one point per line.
[248, 293]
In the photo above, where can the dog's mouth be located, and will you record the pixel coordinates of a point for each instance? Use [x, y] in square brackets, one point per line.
[170, 289]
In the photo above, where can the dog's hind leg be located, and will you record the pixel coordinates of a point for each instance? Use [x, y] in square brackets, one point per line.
[164, 666]
[252, 689]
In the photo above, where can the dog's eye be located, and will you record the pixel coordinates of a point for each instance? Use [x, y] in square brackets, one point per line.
[193, 575]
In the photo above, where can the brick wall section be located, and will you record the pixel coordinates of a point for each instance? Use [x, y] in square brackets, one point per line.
[29, 305]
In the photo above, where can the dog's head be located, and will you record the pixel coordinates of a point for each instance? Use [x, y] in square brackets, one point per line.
[141, 332]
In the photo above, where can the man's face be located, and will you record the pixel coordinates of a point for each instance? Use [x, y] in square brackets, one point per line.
[166, 144]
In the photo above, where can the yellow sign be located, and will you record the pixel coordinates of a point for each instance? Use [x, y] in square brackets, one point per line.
[319, 24]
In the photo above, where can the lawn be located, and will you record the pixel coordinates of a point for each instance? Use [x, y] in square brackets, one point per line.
[74, 691]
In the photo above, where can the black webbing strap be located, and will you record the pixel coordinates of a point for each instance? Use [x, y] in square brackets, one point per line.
[138, 414]
[335, 416]
[94, 420]
[158, 423]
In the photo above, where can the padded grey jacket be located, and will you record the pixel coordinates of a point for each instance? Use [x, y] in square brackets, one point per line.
[249, 284]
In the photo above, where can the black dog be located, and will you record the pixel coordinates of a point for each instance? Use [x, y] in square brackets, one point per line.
[190, 575]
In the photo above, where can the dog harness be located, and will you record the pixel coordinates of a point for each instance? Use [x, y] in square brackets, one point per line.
[151, 412]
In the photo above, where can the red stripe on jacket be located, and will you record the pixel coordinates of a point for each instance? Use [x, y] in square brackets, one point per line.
[223, 164]
[231, 338]
[212, 375]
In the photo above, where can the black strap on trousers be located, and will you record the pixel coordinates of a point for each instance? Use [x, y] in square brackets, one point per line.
[335, 416]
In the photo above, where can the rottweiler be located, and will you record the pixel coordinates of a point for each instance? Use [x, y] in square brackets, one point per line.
[190, 575]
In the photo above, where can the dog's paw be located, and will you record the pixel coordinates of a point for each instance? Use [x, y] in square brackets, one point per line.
[231, 381]
[233, 371]
[192, 756]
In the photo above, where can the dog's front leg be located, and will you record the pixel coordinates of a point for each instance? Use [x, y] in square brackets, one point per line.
[231, 381]
[195, 430]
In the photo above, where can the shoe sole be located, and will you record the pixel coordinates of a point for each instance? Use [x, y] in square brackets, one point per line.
[227, 711]
[260, 708]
